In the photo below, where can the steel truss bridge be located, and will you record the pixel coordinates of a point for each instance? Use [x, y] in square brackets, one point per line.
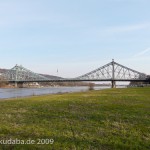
[110, 72]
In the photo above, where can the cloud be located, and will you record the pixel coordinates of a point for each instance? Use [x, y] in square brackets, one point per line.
[110, 31]
[123, 29]
[142, 53]
[128, 28]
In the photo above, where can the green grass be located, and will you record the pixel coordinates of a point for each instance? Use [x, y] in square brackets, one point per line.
[111, 119]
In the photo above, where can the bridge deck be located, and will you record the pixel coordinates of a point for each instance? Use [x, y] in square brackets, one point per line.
[79, 80]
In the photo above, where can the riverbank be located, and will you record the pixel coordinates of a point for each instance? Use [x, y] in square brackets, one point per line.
[105, 119]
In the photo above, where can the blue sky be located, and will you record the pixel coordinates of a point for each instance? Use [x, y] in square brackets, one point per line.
[75, 36]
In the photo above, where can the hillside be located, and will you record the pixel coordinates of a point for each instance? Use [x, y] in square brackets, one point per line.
[51, 76]
[3, 70]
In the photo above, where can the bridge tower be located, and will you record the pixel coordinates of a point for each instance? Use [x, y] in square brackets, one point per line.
[113, 82]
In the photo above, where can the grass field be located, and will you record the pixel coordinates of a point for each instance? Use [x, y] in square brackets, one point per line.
[111, 119]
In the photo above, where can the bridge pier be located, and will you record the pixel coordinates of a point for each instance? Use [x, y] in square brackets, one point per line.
[113, 84]
[18, 84]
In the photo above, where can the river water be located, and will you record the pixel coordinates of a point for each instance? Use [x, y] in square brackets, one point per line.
[23, 92]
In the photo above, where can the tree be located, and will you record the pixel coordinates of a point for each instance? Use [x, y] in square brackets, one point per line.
[91, 86]
[3, 82]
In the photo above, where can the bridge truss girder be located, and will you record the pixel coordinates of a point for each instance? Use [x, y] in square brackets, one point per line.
[19, 73]
[109, 72]
[113, 71]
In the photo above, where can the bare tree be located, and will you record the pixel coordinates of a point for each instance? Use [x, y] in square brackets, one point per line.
[3, 82]
[91, 86]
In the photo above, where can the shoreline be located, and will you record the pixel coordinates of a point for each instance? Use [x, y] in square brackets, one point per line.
[59, 93]
[15, 93]
[31, 96]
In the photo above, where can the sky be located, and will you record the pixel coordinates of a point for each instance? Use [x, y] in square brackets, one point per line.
[74, 36]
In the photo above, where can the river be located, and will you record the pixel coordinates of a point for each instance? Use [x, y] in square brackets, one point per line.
[23, 92]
